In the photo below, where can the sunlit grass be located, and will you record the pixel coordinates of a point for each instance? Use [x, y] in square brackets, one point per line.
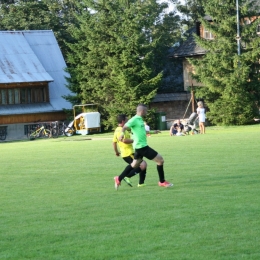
[58, 199]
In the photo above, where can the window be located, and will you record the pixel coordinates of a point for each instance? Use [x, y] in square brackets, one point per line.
[10, 96]
[208, 34]
[3, 96]
[16, 96]
[37, 94]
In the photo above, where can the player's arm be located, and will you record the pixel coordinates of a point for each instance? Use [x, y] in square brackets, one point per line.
[116, 149]
[121, 137]
[128, 141]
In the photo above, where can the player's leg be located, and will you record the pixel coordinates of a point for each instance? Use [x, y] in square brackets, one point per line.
[135, 164]
[162, 182]
[151, 154]
[129, 160]
[159, 161]
[141, 170]
[142, 174]
[119, 178]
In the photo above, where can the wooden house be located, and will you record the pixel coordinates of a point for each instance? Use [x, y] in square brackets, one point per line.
[172, 99]
[189, 49]
[32, 80]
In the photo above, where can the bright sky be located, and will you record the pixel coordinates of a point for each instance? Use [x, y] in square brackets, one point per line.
[171, 5]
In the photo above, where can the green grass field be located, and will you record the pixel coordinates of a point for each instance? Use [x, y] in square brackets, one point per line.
[58, 199]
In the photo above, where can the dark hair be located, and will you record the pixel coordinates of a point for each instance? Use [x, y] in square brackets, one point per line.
[120, 118]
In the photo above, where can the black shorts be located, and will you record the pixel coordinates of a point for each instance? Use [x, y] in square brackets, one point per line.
[129, 159]
[146, 152]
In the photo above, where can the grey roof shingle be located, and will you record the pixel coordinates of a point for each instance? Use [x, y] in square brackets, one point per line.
[18, 62]
[40, 59]
[167, 97]
[189, 47]
[26, 109]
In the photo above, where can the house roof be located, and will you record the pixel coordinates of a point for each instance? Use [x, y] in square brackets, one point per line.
[189, 47]
[27, 109]
[18, 62]
[167, 97]
[33, 56]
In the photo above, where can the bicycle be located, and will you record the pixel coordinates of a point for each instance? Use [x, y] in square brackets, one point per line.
[62, 127]
[54, 127]
[39, 132]
[69, 131]
[66, 130]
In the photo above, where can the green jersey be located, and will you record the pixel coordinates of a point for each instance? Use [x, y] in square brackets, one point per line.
[136, 124]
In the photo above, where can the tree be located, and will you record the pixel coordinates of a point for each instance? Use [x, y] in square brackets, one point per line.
[191, 10]
[232, 89]
[115, 61]
[169, 35]
[26, 15]
[56, 15]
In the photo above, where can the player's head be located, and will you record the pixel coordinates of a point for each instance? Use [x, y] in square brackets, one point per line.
[122, 118]
[141, 110]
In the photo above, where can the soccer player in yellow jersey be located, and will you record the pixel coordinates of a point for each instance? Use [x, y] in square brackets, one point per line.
[127, 152]
[136, 124]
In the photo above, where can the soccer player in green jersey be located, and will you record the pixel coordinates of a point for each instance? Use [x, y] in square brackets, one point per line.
[136, 124]
[127, 151]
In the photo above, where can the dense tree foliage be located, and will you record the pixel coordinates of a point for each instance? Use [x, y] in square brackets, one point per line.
[119, 54]
[118, 49]
[232, 91]
[191, 10]
[56, 15]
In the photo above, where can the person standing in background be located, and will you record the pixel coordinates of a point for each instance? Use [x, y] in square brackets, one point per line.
[202, 117]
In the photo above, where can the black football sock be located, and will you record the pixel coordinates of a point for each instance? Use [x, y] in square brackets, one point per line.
[160, 173]
[142, 176]
[126, 171]
[134, 172]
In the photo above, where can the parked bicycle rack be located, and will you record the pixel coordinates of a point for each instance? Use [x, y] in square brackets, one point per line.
[57, 128]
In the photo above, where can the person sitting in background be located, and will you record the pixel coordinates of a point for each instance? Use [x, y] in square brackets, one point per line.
[148, 131]
[179, 132]
[175, 126]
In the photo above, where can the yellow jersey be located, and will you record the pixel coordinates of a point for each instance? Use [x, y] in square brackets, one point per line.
[125, 149]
